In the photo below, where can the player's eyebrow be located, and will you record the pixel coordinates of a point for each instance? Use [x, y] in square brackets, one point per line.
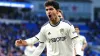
[49, 9]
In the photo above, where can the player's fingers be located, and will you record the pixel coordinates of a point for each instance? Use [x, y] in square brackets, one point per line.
[20, 40]
[17, 42]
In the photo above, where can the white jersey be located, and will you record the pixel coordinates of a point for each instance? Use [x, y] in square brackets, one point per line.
[58, 38]
[29, 50]
[80, 42]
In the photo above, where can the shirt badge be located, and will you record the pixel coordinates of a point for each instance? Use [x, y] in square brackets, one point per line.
[61, 31]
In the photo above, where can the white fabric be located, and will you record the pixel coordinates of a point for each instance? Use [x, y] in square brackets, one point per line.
[29, 50]
[39, 49]
[58, 39]
[81, 40]
[32, 40]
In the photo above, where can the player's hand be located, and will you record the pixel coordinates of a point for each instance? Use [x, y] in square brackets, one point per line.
[18, 42]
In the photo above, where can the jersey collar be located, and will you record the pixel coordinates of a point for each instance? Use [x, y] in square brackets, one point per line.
[55, 24]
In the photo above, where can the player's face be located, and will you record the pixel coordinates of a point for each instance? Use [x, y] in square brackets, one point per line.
[77, 30]
[52, 13]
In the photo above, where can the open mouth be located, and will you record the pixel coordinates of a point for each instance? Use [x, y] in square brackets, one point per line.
[50, 16]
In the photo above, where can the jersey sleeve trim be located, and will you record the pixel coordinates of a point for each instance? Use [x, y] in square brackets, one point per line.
[37, 38]
[41, 42]
[74, 37]
[66, 21]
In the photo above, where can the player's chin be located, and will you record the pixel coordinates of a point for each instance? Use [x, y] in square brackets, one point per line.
[51, 19]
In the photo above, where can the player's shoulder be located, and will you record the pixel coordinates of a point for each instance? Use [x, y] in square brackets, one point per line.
[82, 36]
[44, 25]
[67, 22]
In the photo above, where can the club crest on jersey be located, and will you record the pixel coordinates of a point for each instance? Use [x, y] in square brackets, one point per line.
[61, 31]
[49, 33]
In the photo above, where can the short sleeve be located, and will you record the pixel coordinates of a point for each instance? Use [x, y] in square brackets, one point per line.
[84, 40]
[41, 35]
[72, 33]
[32, 40]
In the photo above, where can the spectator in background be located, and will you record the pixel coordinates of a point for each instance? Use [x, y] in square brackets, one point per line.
[60, 14]
[81, 43]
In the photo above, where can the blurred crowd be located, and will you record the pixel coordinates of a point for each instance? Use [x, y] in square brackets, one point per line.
[11, 32]
[16, 13]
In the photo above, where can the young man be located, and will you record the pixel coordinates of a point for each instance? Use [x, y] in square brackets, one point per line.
[81, 43]
[56, 35]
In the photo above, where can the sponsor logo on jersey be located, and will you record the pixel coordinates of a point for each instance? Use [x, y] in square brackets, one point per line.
[57, 39]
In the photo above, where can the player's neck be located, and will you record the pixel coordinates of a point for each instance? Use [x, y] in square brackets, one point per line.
[55, 22]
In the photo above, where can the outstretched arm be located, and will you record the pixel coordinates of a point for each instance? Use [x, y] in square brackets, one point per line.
[20, 43]
[26, 42]
[32, 40]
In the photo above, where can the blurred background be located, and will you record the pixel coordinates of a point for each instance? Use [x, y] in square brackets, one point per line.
[22, 19]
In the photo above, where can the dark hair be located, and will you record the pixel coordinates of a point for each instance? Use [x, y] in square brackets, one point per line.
[61, 11]
[52, 3]
[76, 27]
